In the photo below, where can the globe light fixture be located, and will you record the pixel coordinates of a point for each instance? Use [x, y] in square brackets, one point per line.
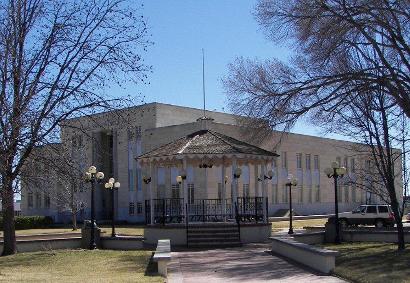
[291, 181]
[112, 185]
[336, 172]
[92, 176]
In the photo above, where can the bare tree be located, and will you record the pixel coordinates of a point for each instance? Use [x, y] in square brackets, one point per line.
[374, 120]
[58, 177]
[352, 65]
[327, 36]
[55, 58]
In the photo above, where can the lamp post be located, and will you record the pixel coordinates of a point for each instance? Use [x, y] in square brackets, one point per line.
[92, 176]
[336, 172]
[112, 185]
[292, 181]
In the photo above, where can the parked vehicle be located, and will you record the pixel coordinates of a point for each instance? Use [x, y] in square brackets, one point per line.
[379, 215]
[408, 216]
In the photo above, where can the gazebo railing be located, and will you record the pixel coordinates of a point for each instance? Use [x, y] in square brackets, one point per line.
[172, 210]
[251, 209]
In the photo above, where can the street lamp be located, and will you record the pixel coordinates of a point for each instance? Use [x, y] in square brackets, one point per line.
[112, 185]
[92, 176]
[292, 181]
[336, 172]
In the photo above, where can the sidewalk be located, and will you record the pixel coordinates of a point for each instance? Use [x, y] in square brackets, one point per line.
[250, 263]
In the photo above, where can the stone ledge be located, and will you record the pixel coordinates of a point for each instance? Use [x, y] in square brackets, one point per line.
[322, 260]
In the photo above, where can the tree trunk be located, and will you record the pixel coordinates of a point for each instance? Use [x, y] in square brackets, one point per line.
[9, 237]
[74, 220]
[400, 232]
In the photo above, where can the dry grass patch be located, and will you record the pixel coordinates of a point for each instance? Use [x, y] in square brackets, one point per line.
[298, 224]
[372, 262]
[78, 266]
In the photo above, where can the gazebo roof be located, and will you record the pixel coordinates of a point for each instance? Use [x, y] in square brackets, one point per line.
[206, 143]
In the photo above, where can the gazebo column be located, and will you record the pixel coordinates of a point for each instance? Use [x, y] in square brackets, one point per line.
[256, 176]
[151, 203]
[234, 183]
[223, 188]
[264, 188]
[185, 188]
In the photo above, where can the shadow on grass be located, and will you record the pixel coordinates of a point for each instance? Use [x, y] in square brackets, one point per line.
[152, 267]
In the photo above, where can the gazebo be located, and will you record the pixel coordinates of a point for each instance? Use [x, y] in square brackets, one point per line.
[208, 150]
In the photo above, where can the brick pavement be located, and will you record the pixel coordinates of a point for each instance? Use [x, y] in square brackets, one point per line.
[250, 263]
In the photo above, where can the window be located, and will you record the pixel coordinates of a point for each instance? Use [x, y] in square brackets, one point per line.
[383, 209]
[307, 161]
[346, 189]
[191, 194]
[30, 200]
[284, 159]
[138, 131]
[299, 160]
[345, 163]
[46, 200]
[139, 208]
[352, 165]
[246, 190]
[131, 208]
[175, 191]
[316, 162]
[131, 179]
[38, 200]
[371, 209]
[339, 161]
[275, 198]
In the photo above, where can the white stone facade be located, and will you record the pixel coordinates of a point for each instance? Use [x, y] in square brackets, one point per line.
[111, 141]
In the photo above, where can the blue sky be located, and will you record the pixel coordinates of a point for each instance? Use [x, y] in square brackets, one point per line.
[225, 29]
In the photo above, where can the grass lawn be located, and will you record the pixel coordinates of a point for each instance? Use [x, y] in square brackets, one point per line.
[123, 230]
[372, 262]
[298, 224]
[78, 266]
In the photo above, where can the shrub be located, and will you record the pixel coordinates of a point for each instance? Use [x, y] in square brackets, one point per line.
[30, 222]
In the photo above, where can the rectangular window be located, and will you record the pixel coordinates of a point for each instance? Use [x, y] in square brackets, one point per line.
[346, 163]
[346, 188]
[275, 198]
[138, 131]
[307, 162]
[46, 200]
[191, 194]
[131, 208]
[383, 209]
[285, 194]
[352, 165]
[317, 195]
[175, 191]
[316, 162]
[139, 207]
[284, 160]
[299, 160]
[339, 161]
[38, 200]
[30, 200]
[371, 209]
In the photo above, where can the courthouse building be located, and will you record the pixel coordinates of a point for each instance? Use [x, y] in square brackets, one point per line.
[113, 141]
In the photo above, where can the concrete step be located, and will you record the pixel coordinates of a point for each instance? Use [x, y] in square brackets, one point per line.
[214, 245]
[214, 240]
[211, 231]
[212, 235]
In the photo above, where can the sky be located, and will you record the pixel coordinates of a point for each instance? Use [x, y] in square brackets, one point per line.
[225, 29]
